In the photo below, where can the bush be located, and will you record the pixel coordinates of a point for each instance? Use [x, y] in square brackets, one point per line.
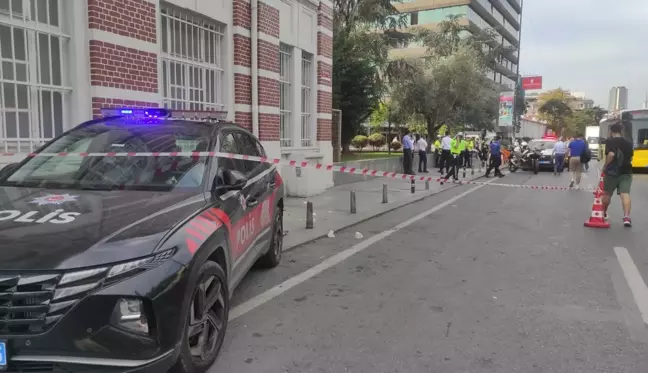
[359, 142]
[377, 140]
[395, 145]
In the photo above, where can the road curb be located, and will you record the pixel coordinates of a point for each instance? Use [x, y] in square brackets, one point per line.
[370, 215]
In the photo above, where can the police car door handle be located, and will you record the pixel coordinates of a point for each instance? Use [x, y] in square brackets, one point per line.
[252, 202]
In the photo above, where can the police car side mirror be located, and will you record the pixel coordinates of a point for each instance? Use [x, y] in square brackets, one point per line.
[228, 180]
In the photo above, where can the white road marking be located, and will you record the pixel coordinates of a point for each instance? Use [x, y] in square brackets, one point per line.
[274, 292]
[631, 315]
[635, 281]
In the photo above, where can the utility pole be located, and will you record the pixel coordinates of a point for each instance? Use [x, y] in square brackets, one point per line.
[518, 80]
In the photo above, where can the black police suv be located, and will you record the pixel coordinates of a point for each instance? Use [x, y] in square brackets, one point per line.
[127, 263]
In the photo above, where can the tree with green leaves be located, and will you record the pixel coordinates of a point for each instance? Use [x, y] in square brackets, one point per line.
[359, 54]
[449, 84]
[556, 112]
[580, 119]
[597, 113]
[555, 94]
[576, 123]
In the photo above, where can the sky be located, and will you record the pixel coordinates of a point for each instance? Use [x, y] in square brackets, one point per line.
[587, 46]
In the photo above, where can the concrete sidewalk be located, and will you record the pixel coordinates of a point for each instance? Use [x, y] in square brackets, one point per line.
[332, 208]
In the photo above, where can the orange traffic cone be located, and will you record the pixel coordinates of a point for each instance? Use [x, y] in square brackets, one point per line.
[597, 218]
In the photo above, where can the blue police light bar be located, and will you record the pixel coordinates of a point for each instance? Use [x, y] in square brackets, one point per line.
[163, 113]
[136, 112]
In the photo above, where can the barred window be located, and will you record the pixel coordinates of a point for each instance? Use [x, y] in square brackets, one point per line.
[192, 61]
[34, 87]
[285, 96]
[306, 102]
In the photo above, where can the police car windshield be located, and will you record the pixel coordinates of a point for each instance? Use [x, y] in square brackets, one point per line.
[542, 144]
[155, 173]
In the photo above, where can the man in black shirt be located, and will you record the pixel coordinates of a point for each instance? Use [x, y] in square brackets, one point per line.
[618, 170]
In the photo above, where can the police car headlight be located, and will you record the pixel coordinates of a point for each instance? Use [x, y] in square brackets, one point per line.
[128, 268]
[130, 314]
[123, 268]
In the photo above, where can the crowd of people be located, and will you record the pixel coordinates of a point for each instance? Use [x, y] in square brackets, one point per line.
[454, 153]
[451, 154]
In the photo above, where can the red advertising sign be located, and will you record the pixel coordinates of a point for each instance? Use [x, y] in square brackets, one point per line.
[531, 82]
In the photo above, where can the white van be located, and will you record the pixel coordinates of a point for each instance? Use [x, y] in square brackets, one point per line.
[592, 138]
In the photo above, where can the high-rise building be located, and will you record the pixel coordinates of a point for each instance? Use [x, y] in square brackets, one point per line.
[503, 16]
[618, 98]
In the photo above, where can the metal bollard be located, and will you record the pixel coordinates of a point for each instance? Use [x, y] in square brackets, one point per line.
[309, 215]
[472, 171]
[427, 184]
[413, 187]
[464, 172]
[353, 202]
[385, 196]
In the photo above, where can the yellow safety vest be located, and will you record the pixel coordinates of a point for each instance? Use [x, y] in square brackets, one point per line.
[471, 145]
[462, 145]
[437, 144]
[455, 147]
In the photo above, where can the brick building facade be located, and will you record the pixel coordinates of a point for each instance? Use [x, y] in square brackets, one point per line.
[62, 60]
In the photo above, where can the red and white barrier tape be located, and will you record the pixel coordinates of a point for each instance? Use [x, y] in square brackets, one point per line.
[519, 186]
[292, 163]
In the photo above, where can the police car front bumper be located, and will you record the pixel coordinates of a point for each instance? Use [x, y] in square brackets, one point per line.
[87, 338]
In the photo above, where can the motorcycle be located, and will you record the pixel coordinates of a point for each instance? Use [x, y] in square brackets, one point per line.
[534, 157]
[525, 158]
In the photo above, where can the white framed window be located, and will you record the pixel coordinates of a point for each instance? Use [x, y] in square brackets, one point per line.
[193, 63]
[285, 96]
[306, 100]
[35, 89]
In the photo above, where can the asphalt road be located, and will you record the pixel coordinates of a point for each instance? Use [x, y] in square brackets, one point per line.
[474, 279]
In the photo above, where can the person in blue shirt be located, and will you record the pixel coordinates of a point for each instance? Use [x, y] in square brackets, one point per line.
[575, 151]
[408, 145]
[495, 150]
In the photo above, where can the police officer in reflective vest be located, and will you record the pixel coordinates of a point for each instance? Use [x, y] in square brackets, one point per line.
[469, 152]
[463, 147]
[455, 151]
[437, 151]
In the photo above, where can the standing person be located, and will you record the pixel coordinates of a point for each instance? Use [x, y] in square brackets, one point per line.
[483, 152]
[470, 148]
[455, 153]
[422, 152]
[408, 145]
[463, 147]
[437, 151]
[617, 171]
[495, 158]
[575, 150]
[446, 156]
[586, 157]
[559, 151]
[415, 147]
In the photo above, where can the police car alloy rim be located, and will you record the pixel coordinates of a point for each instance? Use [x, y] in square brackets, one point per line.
[207, 318]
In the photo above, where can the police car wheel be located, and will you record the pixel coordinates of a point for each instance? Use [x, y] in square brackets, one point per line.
[272, 258]
[206, 323]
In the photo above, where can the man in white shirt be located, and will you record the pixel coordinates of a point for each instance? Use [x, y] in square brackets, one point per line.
[421, 146]
[559, 150]
[408, 155]
[446, 157]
